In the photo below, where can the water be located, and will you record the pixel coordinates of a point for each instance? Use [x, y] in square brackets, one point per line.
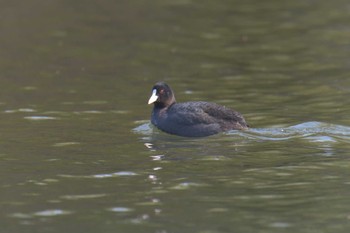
[78, 153]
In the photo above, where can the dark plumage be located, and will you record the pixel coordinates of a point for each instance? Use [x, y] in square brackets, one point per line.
[191, 119]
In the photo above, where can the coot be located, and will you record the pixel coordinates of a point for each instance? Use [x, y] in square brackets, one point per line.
[191, 119]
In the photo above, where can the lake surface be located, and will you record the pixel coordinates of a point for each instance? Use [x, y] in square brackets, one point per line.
[78, 152]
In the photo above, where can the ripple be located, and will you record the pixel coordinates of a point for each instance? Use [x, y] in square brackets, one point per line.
[120, 209]
[20, 110]
[145, 129]
[100, 176]
[84, 196]
[320, 133]
[280, 225]
[187, 185]
[122, 173]
[40, 118]
[62, 144]
[95, 102]
[88, 112]
[50, 213]
[313, 131]
[44, 213]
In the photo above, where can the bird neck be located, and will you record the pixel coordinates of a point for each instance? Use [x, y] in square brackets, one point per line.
[161, 105]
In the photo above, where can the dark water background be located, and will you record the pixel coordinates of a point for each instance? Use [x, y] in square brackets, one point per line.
[77, 152]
